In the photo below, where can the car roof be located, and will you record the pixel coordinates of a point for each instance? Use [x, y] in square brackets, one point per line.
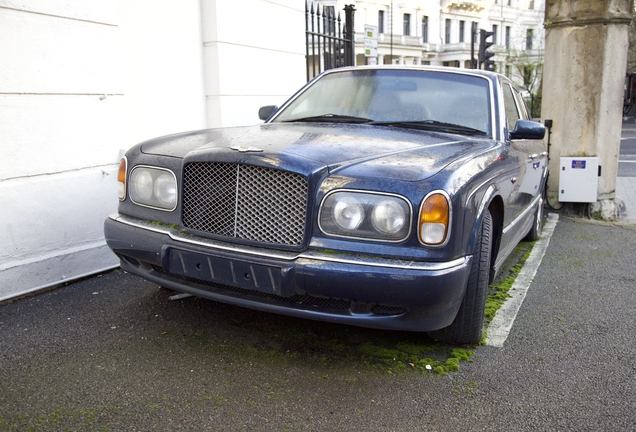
[450, 69]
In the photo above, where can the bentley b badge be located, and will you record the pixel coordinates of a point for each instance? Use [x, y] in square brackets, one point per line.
[246, 149]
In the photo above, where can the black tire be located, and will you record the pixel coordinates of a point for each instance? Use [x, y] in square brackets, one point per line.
[468, 326]
[537, 224]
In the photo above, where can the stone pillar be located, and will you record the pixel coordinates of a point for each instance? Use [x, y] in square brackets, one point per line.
[584, 73]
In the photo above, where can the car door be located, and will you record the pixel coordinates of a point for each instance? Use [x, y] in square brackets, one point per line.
[532, 158]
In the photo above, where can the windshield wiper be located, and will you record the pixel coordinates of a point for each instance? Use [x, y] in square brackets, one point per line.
[331, 118]
[433, 125]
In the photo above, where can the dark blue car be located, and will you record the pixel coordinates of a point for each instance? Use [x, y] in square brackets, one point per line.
[384, 197]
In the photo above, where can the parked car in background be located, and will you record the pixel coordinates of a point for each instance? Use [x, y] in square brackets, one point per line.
[384, 197]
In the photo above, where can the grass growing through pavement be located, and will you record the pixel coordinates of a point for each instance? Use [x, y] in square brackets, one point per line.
[500, 288]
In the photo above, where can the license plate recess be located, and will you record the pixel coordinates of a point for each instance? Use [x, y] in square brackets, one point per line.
[226, 271]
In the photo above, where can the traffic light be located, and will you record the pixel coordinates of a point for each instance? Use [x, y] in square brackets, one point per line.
[485, 55]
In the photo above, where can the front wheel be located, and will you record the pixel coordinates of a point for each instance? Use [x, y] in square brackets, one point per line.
[468, 326]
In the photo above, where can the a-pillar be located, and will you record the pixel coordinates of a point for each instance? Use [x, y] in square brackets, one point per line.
[584, 73]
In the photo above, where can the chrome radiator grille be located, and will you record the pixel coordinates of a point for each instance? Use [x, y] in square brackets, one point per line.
[244, 201]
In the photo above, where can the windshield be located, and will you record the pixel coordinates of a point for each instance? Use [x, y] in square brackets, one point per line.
[388, 96]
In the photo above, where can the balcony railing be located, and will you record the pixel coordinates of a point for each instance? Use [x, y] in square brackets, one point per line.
[464, 5]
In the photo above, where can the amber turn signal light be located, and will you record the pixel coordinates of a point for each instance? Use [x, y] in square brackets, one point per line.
[121, 179]
[434, 219]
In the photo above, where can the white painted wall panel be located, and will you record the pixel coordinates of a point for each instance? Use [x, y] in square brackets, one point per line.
[98, 11]
[51, 228]
[74, 200]
[261, 24]
[251, 59]
[163, 68]
[60, 138]
[44, 134]
[44, 54]
[238, 92]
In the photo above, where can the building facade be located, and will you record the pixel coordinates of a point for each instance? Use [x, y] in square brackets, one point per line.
[439, 32]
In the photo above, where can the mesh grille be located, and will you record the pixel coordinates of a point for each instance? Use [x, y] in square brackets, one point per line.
[243, 201]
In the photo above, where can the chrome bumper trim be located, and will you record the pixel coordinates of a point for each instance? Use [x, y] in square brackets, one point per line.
[178, 236]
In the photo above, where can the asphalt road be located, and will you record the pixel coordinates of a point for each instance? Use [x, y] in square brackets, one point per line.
[113, 353]
[627, 153]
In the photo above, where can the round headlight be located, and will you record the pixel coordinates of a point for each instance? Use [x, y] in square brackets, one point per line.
[141, 185]
[166, 190]
[348, 213]
[388, 217]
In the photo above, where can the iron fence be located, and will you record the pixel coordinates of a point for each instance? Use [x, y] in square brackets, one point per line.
[329, 41]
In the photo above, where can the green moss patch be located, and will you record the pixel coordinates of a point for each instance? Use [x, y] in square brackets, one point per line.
[500, 288]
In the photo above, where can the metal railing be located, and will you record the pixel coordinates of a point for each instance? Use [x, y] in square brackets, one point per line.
[329, 41]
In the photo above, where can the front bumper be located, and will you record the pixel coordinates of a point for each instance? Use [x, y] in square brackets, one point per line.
[359, 290]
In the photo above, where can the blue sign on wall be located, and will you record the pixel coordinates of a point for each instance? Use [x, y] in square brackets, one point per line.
[578, 164]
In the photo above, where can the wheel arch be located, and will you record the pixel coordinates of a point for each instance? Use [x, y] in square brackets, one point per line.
[496, 208]
[494, 203]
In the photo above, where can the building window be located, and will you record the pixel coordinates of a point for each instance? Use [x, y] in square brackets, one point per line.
[381, 21]
[473, 31]
[495, 28]
[508, 71]
[531, 4]
[447, 37]
[529, 36]
[507, 37]
[425, 29]
[407, 24]
[462, 24]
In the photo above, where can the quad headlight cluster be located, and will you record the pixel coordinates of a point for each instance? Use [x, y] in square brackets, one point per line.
[152, 187]
[365, 215]
[385, 217]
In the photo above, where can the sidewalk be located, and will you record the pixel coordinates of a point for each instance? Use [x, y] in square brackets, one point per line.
[626, 186]
[626, 190]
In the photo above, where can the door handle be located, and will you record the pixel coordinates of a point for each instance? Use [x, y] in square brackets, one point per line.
[534, 156]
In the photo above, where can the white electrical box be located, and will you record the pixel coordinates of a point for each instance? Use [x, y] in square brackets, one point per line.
[578, 180]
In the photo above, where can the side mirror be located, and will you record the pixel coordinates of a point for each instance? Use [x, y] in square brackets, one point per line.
[526, 129]
[266, 112]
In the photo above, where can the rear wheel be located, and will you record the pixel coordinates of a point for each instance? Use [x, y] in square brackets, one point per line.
[468, 326]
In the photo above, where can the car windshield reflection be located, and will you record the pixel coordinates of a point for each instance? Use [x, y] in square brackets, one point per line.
[430, 100]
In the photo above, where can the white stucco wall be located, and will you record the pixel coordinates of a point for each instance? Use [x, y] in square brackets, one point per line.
[254, 55]
[163, 75]
[58, 139]
[79, 82]
[83, 80]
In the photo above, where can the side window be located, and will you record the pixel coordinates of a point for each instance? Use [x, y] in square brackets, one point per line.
[523, 108]
[512, 113]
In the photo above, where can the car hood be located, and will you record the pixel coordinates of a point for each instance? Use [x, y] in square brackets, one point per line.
[354, 150]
